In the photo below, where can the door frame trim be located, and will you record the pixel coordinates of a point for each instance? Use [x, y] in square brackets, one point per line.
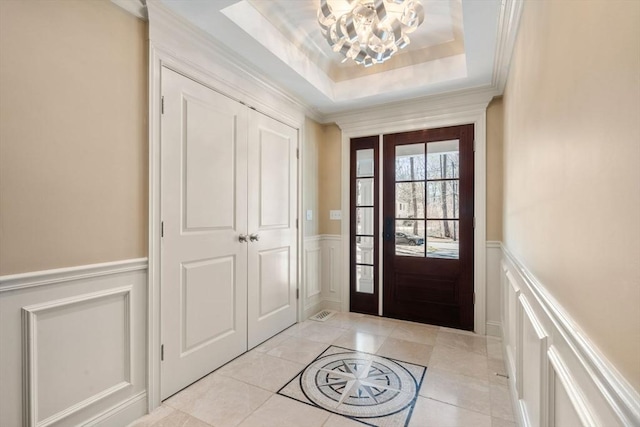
[175, 45]
[404, 120]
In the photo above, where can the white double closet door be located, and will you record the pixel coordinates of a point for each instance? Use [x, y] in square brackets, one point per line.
[227, 172]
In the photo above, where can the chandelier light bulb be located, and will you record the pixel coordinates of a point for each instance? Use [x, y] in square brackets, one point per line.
[369, 31]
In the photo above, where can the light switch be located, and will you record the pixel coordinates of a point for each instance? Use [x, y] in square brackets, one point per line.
[309, 214]
[335, 215]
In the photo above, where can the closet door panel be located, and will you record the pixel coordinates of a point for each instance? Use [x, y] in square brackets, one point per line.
[272, 272]
[204, 210]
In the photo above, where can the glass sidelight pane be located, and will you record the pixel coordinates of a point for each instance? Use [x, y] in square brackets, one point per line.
[410, 162]
[364, 192]
[443, 239]
[364, 163]
[364, 221]
[364, 250]
[410, 200]
[409, 236]
[443, 159]
[443, 199]
[364, 279]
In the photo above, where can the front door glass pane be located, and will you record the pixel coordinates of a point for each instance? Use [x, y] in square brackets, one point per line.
[364, 163]
[443, 200]
[410, 200]
[364, 279]
[410, 162]
[410, 238]
[443, 239]
[443, 159]
[364, 250]
[364, 221]
[364, 192]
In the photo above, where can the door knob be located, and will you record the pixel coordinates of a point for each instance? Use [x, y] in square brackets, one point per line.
[242, 238]
[254, 237]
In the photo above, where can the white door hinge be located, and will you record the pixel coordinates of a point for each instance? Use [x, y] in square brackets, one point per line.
[162, 229]
[297, 153]
[297, 293]
[162, 353]
[162, 105]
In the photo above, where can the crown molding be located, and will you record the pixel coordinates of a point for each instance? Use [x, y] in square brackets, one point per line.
[137, 8]
[508, 23]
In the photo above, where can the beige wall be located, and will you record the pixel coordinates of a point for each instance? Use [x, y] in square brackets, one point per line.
[330, 176]
[73, 140]
[313, 137]
[494, 169]
[572, 165]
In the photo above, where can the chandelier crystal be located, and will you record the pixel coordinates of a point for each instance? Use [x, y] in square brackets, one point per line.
[369, 31]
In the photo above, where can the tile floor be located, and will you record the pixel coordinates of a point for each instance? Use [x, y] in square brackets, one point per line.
[460, 387]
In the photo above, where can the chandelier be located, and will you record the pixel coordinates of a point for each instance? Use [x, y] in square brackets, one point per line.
[369, 31]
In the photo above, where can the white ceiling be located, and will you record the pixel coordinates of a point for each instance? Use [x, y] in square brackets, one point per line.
[455, 49]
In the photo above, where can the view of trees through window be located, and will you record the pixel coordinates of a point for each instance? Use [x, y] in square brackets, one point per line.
[427, 199]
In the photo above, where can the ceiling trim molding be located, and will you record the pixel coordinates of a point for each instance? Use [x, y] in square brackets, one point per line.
[411, 111]
[137, 8]
[192, 45]
[508, 23]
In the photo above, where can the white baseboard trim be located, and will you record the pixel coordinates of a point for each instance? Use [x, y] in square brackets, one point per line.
[494, 329]
[122, 414]
[67, 274]
[596, 393]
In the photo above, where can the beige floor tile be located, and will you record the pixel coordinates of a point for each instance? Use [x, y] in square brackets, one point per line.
[459, 361]
[475, 344]
[262, 370]
[460, 390]
[224, 402]
[406, 351]
[375, 325]
[499, 422]
[270, 343]
[319, 332]
[422, 334]
[360, 341]
[430, 413]
[298, 350]
[294, 330]
[340, 421]
[343, 320]
[494, 348]
[154, 417]
[501, 403]
[180, 419]
[496, 366]
[281, 411]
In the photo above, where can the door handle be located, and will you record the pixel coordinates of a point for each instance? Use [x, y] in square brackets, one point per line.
[387, 229]
[242, 238]
[254, 237]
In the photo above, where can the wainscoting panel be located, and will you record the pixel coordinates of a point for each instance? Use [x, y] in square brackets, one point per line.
[322, 271]
[558, 377]
[494, 322]
[74, 345]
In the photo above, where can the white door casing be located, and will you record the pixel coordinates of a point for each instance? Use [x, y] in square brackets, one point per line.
[204, 209]
[272, 277]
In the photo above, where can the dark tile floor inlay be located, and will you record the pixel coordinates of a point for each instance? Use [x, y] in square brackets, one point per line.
[374, 390]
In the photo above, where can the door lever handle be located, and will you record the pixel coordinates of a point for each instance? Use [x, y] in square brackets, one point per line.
[254, 237]
[242, 238]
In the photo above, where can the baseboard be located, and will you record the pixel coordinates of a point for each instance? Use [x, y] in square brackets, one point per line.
[122, 414]
[494, 329]
[555, 368]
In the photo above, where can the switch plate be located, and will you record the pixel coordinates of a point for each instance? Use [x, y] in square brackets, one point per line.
[335, 215]
[309, 214]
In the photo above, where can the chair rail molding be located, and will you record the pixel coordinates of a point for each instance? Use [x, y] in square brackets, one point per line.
[553, 365]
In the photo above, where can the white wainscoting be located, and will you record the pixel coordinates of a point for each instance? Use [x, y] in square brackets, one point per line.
[322, 271]
[558, 377]
[494, 321]
[74, 345]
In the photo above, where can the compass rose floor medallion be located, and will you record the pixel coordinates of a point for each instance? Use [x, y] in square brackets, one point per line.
[374, 390]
